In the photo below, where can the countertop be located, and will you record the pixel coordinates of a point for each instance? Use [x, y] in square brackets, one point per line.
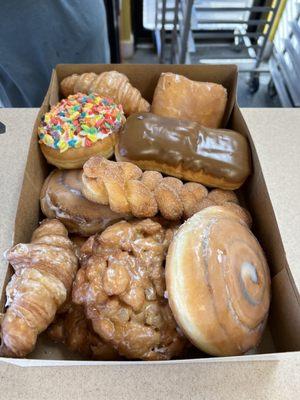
[275, 132]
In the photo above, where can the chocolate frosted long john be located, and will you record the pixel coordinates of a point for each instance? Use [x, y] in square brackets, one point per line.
[215, 157]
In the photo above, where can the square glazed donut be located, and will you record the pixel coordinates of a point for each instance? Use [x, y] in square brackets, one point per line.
[179, 97]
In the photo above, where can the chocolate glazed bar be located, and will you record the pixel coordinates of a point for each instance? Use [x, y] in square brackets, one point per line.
[215, 157]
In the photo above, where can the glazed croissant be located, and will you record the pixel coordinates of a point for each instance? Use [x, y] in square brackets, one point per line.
[111, 84]
[44, 272]
[126, 189]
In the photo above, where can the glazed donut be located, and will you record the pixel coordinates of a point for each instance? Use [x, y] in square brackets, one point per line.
[218, 282]
[79, 127]
[179, 97]
[75, 332]
[61, 198]
[121, 285]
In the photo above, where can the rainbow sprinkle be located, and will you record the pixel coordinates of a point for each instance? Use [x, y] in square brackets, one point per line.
[80, 121]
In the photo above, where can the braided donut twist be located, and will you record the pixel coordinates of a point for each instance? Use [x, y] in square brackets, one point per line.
[126, 189]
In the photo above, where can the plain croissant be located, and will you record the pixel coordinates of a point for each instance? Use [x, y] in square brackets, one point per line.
[126, 189]
[111, 84]
[44, 273]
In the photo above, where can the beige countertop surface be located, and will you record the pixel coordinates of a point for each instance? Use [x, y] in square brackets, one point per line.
[274, 132]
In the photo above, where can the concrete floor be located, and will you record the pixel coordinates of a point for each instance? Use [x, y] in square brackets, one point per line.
[146, 54]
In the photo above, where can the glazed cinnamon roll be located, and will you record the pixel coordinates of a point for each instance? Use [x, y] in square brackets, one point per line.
[218, 282]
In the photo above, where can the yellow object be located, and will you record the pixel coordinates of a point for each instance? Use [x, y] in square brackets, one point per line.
[125, 26]
[277, 18]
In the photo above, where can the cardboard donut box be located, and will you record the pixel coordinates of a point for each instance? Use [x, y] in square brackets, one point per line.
[282, 334]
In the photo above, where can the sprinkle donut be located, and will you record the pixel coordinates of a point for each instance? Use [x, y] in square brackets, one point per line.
[79, 127]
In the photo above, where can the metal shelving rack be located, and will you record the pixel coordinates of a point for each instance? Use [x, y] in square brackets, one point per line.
[212, 31]
[285, 62]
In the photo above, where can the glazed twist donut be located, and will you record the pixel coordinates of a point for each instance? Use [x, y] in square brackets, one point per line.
[127, 190]
[218, 282]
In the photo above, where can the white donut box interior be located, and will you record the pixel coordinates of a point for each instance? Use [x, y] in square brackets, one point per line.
[282, 335]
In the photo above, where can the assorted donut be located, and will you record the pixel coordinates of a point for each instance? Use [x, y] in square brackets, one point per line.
[146, 249]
